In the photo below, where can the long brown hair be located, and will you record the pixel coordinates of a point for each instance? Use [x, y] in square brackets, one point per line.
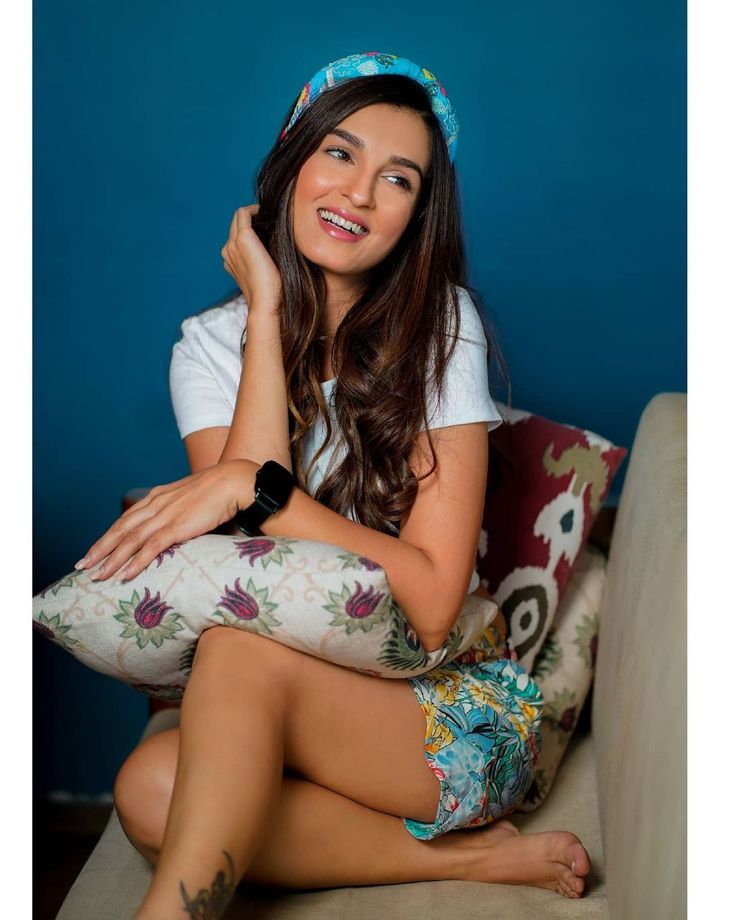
[397, 337]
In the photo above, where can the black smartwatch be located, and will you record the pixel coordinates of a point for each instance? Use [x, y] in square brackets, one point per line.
[273, 487]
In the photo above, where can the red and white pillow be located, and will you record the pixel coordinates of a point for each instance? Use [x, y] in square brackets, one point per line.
[565, 666]
[546, 483]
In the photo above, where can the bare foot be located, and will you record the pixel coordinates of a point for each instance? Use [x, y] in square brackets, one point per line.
[554, 859]
[485, 836]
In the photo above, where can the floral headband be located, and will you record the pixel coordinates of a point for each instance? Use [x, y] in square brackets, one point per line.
[369, 64]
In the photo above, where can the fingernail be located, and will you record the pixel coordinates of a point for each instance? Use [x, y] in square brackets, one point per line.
[574, 865]
[82, 564]
[98, 574]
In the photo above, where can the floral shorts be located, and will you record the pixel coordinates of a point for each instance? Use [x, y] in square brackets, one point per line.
[483, 716]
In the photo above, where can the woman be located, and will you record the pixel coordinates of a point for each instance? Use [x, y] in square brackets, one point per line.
[288, 770]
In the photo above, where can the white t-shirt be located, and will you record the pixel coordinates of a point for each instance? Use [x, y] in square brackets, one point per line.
[206, 365]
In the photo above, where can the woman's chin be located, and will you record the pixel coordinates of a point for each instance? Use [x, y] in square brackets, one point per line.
[335, 268]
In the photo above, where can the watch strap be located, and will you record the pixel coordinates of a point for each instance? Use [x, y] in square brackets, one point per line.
[249, 519]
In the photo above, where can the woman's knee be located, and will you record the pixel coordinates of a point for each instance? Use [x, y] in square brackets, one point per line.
[143, 788]
[229, 649]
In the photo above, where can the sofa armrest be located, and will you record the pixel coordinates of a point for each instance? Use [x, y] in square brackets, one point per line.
[639, 702]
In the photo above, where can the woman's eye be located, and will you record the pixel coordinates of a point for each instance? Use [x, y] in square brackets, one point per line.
[338, 150]
[402, 181]
[339, 153]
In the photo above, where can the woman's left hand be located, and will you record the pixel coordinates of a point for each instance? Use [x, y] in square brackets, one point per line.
[170, 514]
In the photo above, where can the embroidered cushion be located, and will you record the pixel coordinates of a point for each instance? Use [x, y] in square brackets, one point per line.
[564, 668]
[311, 596]
[546, 483]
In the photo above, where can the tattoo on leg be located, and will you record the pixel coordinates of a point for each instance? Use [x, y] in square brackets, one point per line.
[210, 905]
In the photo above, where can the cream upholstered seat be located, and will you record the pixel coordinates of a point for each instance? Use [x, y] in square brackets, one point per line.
[621, 789]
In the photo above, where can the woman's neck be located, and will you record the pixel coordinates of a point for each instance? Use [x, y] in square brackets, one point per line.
[334, 313]
[341, 295]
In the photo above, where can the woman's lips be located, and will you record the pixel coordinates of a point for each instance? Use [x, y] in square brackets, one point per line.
[339, 233]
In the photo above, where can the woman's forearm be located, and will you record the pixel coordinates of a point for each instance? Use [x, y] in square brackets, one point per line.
[414, 582]
[259, 429]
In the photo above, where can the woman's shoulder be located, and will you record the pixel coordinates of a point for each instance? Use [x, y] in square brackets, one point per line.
[219, 327]
[470, 323]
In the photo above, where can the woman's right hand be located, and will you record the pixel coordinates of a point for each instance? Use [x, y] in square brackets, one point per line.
[249, 262]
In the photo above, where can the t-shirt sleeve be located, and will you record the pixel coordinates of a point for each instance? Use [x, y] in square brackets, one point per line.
[205, 370]
[466, 394]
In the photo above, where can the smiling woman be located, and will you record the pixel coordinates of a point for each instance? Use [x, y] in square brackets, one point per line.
[361, 195]
[373, 151]
[364, 193]
[355, 240]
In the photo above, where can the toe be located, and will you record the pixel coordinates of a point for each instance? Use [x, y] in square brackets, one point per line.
[566, 848]
[574, 883]
[565, 889]
[578, 859]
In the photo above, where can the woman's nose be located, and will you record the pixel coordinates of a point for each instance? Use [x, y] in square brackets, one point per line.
[360, 190]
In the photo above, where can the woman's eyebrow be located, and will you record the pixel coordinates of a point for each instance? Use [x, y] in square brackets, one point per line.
[360, 144]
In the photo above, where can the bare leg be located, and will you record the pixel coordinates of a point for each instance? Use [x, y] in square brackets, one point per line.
[227, 781]
[320, 836]
[320, 839]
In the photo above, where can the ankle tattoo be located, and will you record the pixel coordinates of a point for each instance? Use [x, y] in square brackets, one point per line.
[210, 904]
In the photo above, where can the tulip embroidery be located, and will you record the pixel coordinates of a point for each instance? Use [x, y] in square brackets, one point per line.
[148, 619]
[247, 608]
[357, 608]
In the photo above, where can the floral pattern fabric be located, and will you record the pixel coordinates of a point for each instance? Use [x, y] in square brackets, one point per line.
[483, 714]
[311, 596]
[373, 63]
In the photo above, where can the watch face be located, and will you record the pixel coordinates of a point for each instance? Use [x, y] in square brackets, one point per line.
[275, 481]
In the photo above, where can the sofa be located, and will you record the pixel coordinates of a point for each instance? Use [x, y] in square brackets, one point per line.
[621, 786]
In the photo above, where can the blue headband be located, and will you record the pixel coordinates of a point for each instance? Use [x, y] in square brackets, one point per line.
[369, 64]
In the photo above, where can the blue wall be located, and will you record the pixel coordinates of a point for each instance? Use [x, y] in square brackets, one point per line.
[150, 120]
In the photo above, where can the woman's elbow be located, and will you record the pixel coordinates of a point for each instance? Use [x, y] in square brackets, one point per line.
[434, 634]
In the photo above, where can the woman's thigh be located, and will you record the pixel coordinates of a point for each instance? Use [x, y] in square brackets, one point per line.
[360, 736]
